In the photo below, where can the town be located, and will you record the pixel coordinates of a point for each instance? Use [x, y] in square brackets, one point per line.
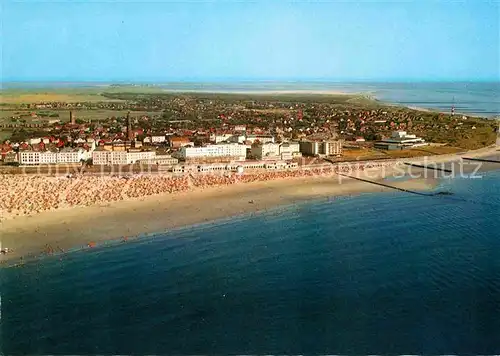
[205, 132]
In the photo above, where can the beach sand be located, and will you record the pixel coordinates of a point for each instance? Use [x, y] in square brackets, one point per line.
[74, 227]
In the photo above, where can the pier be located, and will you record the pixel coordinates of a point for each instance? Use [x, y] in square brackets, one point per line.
[429, 167]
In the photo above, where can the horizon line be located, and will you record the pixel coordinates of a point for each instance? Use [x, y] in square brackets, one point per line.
[247, 80]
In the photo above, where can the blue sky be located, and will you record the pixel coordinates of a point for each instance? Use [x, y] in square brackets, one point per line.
[224, 40]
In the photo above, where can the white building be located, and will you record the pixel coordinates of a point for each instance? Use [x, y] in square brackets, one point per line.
[29, 158]
[69, 156]
[237, 138]
[270, 150]
[160, 160]
[239, 167]
[158, 139]
[260, 138]
[101, 157]
[118, 157]
[400, 140]
[133, 157]
[289, 150]
[34, 141]
[217, 138]
[403, 138]
[224, 150]
[48, 157]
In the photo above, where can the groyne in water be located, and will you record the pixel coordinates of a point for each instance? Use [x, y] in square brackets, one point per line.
[481, 160]
[391, 186]
[429, 167]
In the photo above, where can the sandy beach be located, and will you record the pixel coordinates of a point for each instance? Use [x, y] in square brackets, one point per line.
[74, 227]
[80, 226]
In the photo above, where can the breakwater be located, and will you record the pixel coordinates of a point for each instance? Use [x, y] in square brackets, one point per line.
[429, 167]
[481, 160]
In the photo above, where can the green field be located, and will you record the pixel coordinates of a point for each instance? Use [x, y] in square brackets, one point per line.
[63, 115]
[68, 95]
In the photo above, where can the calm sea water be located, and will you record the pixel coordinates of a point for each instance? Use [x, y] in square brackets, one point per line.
[478, 98]
[376, 273]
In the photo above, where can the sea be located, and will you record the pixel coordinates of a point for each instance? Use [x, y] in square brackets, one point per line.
[469, 98]
[375, 273]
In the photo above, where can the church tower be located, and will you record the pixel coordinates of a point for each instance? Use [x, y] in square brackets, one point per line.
[498, 134]
[130, 134]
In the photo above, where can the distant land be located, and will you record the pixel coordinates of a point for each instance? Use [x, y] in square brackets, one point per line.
[471, 98]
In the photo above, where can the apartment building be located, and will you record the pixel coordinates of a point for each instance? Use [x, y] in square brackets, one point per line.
[157, 139]
[101, 157]
[118, 157]
[135, 156]
[50, 157]
[29, 158]
[270, 150]
[321, 148]
[69, 156]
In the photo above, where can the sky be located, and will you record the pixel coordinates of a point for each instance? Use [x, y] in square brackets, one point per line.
[260, 40]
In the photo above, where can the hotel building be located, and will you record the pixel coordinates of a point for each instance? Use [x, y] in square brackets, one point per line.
[234, 151]
[65, 156]
[270, 150]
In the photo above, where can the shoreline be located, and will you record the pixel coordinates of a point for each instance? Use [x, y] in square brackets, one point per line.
[76, 227]
[70, 227]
